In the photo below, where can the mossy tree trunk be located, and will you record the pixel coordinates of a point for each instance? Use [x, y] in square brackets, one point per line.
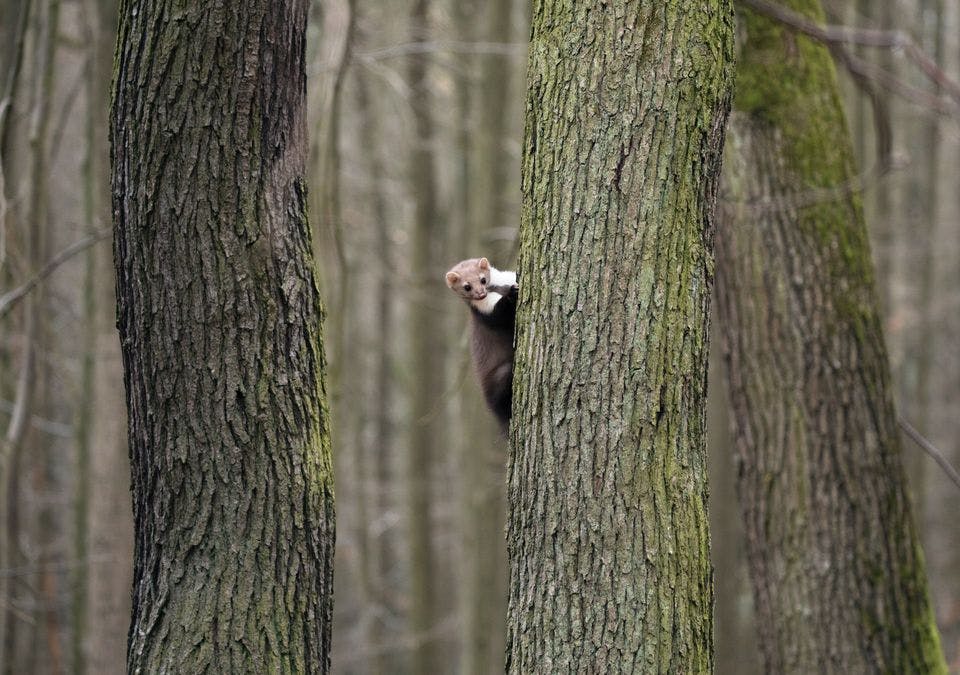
[608, 534]
[838, 576]
[220, 326]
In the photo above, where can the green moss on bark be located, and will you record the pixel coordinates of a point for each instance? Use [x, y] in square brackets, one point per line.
[608, 530]
[838, 574]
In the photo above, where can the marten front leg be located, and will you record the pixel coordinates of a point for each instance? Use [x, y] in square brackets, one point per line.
[503, 283]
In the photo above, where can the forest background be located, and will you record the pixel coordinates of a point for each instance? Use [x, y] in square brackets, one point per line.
[415, 122]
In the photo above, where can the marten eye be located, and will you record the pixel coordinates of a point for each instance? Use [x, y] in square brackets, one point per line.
[483, 280]
[467, 287]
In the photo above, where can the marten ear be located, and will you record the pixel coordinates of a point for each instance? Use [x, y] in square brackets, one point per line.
[484, 264]
[452, 278]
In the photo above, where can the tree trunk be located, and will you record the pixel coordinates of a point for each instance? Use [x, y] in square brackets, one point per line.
[15, 373]
[919, 209]
[220, 326]
[41, 450]
[381, 453]
[608, 535]
[490, 176]
[31, 630]
[883, 203]
[427, 361]
[838, 576]
[111, 536]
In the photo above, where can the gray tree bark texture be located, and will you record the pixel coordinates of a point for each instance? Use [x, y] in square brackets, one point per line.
[220, 325]
[838, 575]
[608, 534]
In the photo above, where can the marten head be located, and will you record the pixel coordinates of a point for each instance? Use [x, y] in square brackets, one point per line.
[469, 279]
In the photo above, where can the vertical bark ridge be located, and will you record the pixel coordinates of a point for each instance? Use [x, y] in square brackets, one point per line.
[608, 531]
[220, 325]
[839, 581]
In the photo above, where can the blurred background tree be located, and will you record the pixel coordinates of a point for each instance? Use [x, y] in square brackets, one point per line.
[838, 575]
[608, 533]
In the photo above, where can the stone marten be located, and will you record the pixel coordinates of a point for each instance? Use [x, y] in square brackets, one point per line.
[492, 298]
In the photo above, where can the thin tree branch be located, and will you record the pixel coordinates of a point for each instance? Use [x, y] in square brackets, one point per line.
[868, 37]
[69, 104]
[895, 85]
[42, 424]
[9, 299]
[57, 565]
[13, 71]
[930, 449]
[457, 47]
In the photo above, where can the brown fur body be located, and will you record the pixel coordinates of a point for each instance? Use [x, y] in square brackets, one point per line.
[491, 345]
[492, 297]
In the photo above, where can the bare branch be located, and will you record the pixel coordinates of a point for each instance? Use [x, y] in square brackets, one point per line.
[9, 299]
[886, 39]
[931, 450]
[456, 47]
[861, 68]
[42, 424]
[509, 49]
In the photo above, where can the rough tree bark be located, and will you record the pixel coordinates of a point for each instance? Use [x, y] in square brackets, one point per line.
[608, 535]
[220, 326]
[838, 576]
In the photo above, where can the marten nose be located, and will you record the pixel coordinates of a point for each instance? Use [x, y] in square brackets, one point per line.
[481, 294]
